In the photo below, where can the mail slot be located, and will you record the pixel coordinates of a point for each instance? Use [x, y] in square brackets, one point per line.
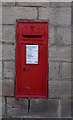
[31, 60]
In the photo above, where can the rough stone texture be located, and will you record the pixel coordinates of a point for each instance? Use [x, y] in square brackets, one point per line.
[0, 14]
[47, 13]
[9, 69]
[0, 3]
[0, 51]
[62, 36]
[59, 89]
[0, 107]
[60, 53]
[8, 33]
[0, 70]
[10, 14]
[43, 4]
[8, 52]
[65, 107]
[39, 4]
[66, 70]
[66, 53]
[60, 4]
[0, 87]
[16, 107]
[7, 87]
[0, 30]
[51, 33]
[8, 2]
[57, 15]
[53, 70]
[44, 108]
[72, 106]
[3, 106]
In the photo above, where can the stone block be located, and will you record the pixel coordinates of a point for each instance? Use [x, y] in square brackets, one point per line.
[66, 107]
[0, 87]
[59, 89]
[9, 69]
[54, 53]
[0, 107]
[62, 36]
[8, 3]
[72, 106]
[43, 4]
[3, 106]
[36, 4]
[56, 15]
[32, 1]
[66, 70]
[0, 26]
[60, 53]
[8, 52]
[47, 13]
[53, 70]
[0, 15]
[0, 70]
[63, 16]
[51, 33]
[60, 4]
[8, 87]
[10, 14]
[8, 33]
[72, 89]
[0, 3]
[0, 51]
[66, 53]
[44, 108]
[16, 107]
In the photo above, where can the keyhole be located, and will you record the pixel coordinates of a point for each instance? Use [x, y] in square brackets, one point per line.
[23, 68]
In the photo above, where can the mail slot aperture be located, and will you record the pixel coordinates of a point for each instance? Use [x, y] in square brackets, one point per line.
[32, 36]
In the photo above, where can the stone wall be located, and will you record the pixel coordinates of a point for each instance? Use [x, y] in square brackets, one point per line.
[58, 16]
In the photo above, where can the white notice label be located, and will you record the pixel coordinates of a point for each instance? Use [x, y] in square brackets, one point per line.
[31, 54]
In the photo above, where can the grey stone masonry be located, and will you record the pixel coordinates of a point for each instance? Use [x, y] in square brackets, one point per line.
[60, 53]
[0, 52]
[3, 106]
[16, 107]
[9, 69]
[53, 70]
[44, 108]
[62, 36]
[59, 89]
[58, 16]
[66, 107]
[8, 87]
[8, 33]
[8, 3]
[43, 4]
[10, 14]
[66, 70]
[8, 52]
[0, 70]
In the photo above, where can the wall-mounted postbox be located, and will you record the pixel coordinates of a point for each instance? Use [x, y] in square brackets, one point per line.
[32, 59]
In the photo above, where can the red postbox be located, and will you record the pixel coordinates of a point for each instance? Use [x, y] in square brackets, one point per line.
[32, 59]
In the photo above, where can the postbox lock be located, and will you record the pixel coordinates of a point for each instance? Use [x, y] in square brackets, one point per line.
[23, 68]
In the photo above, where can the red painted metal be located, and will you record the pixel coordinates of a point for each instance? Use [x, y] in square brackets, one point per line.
[32, 79]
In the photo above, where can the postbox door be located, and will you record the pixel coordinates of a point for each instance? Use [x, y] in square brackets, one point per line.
[33, 83]
[32, 60]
